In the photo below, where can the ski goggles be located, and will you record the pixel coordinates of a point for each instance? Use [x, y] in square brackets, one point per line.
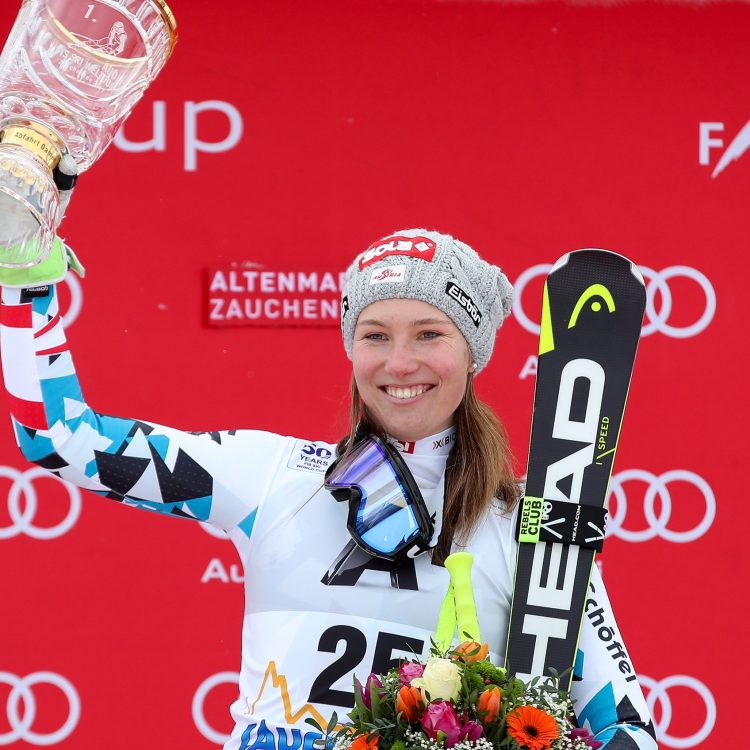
[387, 517]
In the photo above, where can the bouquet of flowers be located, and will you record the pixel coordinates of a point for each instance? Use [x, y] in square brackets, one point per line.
[457, 700]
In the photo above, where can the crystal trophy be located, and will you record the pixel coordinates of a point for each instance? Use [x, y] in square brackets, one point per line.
[70, 73]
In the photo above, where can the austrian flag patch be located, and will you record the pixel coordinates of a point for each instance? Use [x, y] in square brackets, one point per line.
[415, 247]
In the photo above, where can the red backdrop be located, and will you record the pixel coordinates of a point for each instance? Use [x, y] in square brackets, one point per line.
[526, 129]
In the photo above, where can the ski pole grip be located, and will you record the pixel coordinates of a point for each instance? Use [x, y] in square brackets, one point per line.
[459, 566]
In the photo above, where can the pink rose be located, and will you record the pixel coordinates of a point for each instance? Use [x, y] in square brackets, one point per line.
[365, 691]
[471, 730]
[409, 671]
[440, 716]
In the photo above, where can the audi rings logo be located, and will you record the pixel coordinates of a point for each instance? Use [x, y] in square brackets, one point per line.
[199, 700]
[657, 315]
[22, 708]
[22, 514]
[76, 300]
[658, 694]
[658, 487]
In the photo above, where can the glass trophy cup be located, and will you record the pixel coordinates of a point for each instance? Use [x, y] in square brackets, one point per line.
[70, 73]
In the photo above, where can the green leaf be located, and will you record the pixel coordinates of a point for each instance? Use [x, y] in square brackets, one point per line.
[332, 723]
[375, 700]
[315, 724]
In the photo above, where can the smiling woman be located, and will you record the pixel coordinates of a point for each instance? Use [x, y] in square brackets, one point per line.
[411, 366]
[429, 462]
[417, 337]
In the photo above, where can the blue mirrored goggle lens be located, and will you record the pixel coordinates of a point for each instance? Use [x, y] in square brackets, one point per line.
[385, 519]
[391, 532]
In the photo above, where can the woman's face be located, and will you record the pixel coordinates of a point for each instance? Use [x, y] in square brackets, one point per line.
[410, 364]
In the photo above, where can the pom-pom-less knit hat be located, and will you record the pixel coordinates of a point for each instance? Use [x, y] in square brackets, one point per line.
[435, 268]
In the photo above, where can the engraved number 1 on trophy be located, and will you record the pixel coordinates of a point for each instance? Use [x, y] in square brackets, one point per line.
[89, 11]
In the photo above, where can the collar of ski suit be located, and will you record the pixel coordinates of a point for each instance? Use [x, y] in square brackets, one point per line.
[440, 444]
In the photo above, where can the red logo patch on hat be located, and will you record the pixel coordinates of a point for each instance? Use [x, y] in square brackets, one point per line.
[415, 247]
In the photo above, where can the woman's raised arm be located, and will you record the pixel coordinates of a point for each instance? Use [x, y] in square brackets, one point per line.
[216, 477]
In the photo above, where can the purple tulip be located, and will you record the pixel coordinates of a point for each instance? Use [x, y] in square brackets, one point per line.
[365, 692]
[472, 730]
[409, 671]
[440, 716]
[579, 733]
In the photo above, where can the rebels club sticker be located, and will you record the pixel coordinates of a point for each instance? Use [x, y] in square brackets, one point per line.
[415, 247]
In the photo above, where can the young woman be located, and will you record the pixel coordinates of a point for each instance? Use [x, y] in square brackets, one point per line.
[329, 591]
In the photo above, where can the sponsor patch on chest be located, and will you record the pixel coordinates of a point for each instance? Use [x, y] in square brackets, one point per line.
[308, 456]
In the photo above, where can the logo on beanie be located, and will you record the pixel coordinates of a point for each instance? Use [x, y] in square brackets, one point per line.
[463, 299]
[415, 247]
[392, 274]
[344, 308]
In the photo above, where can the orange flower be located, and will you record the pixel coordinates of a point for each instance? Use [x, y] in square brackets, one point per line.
[409, 702]
[365, 742]
[532, 728]
[471, 651]
[488, 705]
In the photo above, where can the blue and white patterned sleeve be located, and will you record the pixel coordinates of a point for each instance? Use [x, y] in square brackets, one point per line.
[609, 700]
[217, 477]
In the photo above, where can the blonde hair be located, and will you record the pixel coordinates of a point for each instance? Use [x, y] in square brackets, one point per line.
[479, 469]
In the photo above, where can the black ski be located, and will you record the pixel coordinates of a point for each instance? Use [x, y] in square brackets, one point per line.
[592, 313]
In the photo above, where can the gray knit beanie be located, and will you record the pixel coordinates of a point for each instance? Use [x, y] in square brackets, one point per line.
[435, 268]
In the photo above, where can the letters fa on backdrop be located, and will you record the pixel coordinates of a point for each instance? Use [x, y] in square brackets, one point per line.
[709, 140]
